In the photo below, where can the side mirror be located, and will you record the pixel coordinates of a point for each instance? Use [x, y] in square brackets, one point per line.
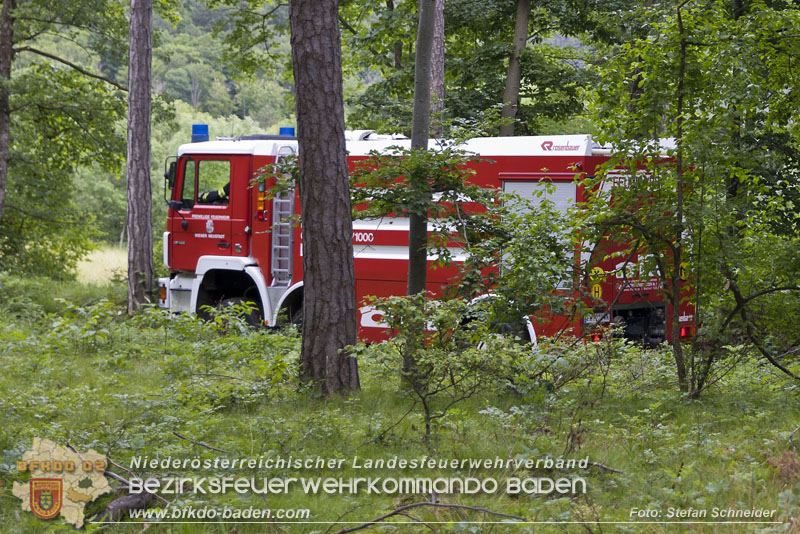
[177, 205]
[169, 175]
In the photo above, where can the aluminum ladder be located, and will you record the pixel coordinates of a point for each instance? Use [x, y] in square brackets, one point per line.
[282, 239]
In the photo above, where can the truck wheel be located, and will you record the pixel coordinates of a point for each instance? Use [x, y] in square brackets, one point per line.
[517, 329]
[296, 315]
[253, 318]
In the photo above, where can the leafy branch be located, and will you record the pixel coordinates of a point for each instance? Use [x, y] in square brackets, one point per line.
[72, 66]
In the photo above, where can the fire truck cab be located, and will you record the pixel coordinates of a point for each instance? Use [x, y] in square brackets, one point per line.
[240, 247]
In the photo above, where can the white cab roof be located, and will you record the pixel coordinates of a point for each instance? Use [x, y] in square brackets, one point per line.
[255, 147]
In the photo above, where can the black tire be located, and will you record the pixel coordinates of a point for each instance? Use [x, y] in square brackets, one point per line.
[516, 329]
[295, 314]
[254, 318]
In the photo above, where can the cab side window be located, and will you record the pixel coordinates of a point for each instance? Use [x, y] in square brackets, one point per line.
[213, 179]
[188, 191]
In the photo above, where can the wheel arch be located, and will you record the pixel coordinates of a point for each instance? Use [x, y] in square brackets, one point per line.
[222, 278]
[291, 301]
[527, 324]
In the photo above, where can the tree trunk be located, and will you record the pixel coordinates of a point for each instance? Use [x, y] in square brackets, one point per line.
[677, 251]
[675, 301]
[195, 93]
[397, 46]
[140, 233]
[420, 131]
[437, 70]
[329, 308]
[511, 93]
[6, 59]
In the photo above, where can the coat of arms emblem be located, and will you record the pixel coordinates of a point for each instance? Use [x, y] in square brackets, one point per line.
[46, 497]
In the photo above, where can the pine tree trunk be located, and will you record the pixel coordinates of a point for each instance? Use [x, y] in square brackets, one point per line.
[6, 58]
[140, 233]
[437, 70]
[329, 307]
[511, 93]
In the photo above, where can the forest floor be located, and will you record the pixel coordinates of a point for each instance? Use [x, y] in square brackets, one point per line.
[77, 371]
[101, 265]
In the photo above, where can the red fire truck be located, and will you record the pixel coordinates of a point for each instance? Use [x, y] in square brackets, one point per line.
[245, 246]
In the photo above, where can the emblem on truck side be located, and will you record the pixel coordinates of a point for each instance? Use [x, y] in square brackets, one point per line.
[372, 318]
[209, 226]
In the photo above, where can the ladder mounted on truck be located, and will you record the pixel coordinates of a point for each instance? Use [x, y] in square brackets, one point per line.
[282, 239]
[282, 246]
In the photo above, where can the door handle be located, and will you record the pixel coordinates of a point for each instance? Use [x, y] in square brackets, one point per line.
[224, 244]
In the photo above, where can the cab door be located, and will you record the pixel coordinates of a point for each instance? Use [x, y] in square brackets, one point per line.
[208, 217]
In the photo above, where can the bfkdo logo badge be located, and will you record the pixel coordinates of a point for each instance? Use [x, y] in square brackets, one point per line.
[62, 481]
[46, 496]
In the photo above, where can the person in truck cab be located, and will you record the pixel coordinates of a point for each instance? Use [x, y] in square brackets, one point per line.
[220, 196]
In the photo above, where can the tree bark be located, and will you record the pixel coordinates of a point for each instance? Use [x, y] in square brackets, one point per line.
[397, 46]
[677, 248]
[420, 131]
[514, 78]
[329, 308]
[437, 70]
[140, 233]
[6, 59]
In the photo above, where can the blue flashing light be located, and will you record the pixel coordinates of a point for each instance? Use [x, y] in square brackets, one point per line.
[199, 133]
[286, 130]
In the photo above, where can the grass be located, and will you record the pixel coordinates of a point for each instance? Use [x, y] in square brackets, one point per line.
[87, 375]
[102, 265]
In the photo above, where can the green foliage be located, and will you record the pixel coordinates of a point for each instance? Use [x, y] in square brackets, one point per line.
[133, 382]
[76, 31]
[101, 197]
[448, 366]
[61, 118]
[432, 183]
[62, 121]
[522, 254]
[254, 34]
[478, 43]
[720, 83]
[526, 259]
[218, 59]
